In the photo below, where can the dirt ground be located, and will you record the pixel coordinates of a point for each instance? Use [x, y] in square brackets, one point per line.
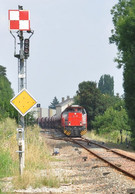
[81, 172]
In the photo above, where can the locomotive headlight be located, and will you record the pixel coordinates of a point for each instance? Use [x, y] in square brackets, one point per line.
[80, 123]
[69, 123]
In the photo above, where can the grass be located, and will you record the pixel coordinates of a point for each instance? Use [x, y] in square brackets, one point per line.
[50, 181]
[8, 159]
[111, 139]
[113, 136]
[37, 158]
[33, 179]
[6, 164]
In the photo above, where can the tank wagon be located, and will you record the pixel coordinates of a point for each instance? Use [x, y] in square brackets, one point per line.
[72, 121]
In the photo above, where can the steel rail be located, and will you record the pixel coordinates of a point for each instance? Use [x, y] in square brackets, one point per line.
[111, 150]
[110, 163]
[75, 141]
[89, 141]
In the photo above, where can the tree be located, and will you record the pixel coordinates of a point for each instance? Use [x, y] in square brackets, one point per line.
[106, 85]
[6, 94]
[54, 103]
[30, 119]
[2, 70]
[123, 36]
[89, 96]
[112, 120]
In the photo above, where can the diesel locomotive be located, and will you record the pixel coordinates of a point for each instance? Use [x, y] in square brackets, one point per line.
[72, 121]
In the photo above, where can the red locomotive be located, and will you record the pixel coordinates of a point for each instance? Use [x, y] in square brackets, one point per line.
[72, 121]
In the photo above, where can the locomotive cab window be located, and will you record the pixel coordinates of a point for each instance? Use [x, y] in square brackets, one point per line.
[83, 111]
[65, 114]
[79, 110]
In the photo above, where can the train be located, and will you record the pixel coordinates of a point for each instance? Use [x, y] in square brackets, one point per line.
[72, 121]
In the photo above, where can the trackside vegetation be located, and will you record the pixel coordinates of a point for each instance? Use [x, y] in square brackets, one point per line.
[111, 121]
[8, 161]
[112, 125]
[37, 159]
[123, 17]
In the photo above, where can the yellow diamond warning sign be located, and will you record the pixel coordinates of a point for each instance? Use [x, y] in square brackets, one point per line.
[23, 102]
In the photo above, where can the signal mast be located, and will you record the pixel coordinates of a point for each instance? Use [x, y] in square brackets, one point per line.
[19, 24]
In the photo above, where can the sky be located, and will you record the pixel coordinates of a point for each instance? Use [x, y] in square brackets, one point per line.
[70, 45]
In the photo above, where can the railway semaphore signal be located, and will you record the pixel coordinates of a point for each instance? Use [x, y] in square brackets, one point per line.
[19, 22]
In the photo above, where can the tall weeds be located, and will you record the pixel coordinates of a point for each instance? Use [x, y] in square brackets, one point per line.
[8, 157]
[36, 157]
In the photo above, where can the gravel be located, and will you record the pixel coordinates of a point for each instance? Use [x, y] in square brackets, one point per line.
[82, 176]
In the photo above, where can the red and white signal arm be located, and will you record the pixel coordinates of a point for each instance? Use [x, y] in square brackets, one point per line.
[19, 20]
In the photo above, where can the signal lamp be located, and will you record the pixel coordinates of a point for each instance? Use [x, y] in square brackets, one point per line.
[26, 47]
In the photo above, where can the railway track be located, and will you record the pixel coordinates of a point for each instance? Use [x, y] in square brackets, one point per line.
[118, 160]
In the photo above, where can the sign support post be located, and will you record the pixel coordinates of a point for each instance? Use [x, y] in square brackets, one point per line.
[21, 78]
[19, 20]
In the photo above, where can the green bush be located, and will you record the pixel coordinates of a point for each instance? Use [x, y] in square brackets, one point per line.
[112, 120]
